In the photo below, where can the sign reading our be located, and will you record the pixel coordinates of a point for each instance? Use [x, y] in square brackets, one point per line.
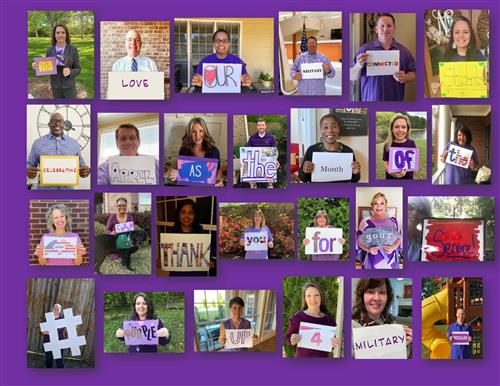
[140, 332]
[375, 237]
[196, 171]
[221, 78]
[460, 338]
[132, 170]
[55, 247]
[136, 85]
[459, 156]
[453, 240]
[379, 342]
[123, 227]
[45, 66]
[256, 241]
[238, 338]
[323, 241]
[312, 70]
[185, 252]
[382, 62]
[62, 170]
[463, 79]
[258, 164]
[403, 158]
[331, 166]
[316, 336]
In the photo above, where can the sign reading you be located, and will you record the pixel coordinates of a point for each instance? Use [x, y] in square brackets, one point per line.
[258, 164]
[256, 241]
[185, 252]
[221, 78]
[376, 237]
[141, 332]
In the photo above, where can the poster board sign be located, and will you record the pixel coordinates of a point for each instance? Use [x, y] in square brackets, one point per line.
[312, 70]
[256, 241]
[196, 170]
[459, 156]
[238, 339]
[354, 121]
[379, 342]
[323, 241]
[140, 332]
[316, 336]
[59, 170]
[258, 164]
[379, 236]
[403, 158]
[331, 167]
[136, 85]
[185, 252]
[460, 338]
[123, 227]
[221, 78]
[452, 240]
[382, 62]
[55, 247]
[132, 170]
[45, 66]
[463, 79]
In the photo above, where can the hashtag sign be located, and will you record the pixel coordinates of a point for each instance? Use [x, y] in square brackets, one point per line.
[69, 322]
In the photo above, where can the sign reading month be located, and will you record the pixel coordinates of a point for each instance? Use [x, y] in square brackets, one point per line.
[331, 167]
[59, 247]
[316, 336]
[256, 241]
[459, 156]
[238, 338]
[132, 170]
[323, 241]
[185, 252]
[376, 237]
[460, 338]
[453, 240]
[312, 70]
[463, 79]
[136, 85]
[379, 342]
[196, 171]
[62, 170]
[45, 66]
[403, 158]
[382, 62]
[141, 332]
[221, 78]
[123, 227]
[258, 164]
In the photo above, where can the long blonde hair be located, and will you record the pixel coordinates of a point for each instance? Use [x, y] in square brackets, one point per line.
[261, 213]
[390, 134]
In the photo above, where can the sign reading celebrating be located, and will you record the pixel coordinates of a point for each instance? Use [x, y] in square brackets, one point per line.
[238, 338]
[331, 167]
[453, 240]
[258, 164]
[196, 171]
[59, 247]
[136, 85]
[221, 78]
[185, 252]
[460, 338]
[45, 66]
[316, 336]
[376, 237]
[403, 158]
[382, 62]
[256, 241]
[123, 227]
[141, 332]
[459, 156]
[379, 342]
[61, 170]
[463, 79]
[312, 70]
[323, 241]
[132, 170]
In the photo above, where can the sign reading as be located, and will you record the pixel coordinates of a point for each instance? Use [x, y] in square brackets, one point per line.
[256, 241]
[331, 167]
[123, 227]
[375, 237]
[403, 158]
[258, 164]
[62, 170]
[463, 79]
[312, 70]
[141, 332]
[382, 62]
[185, 252]
[59, 247]
[459, 156]
[196, 171]
[323, 241]
[46, 66]
[221, 78]
[460, 338]
[316, 336]
[238, 338]
[132, 170]
[379, 342]
[136, 85]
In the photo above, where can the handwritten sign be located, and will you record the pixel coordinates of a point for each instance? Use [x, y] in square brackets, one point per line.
[403, 158]
[196, 170]
[55, 247]
[316, 336]
[379, 342]
[141, 332]
[256, 241]
[331, 166]
[453, 240]
[238, 338]
[463, 79]
[184, 252]
[258, 164]
[62, 170]
[221, 78]
[45, 66]
[136, 85]
[123, 227]
[460, 338]
[375, 237]
[459, 156]
[132, 170]
[312, 70]
[382, 62]
[323, 241]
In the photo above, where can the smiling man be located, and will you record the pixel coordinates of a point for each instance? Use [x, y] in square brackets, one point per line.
[134, 61]
[460, 351]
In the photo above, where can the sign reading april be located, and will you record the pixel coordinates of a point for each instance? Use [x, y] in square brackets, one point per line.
[62, 170]
[185, 252]
[238, 338]
[463, 79]
[379, 342]
[141, 332]
[123, 227]
[312, 70]
[136, 85]
[316, 336]
[331, 167]
[375, 237]
[258, 164]
[323, 240]
[221, 78]
[460, 338]
[45, 66]
[382, 62]
[132, 170]
[459, 156]
[196, 171]
[403, 158]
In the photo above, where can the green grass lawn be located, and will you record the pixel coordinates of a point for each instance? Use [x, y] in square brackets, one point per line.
[141, 263]
[38, 47]
[425, 350]
[422, 171]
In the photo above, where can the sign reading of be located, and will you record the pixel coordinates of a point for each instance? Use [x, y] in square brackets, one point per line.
[59, 170]
[312, 70]
[238, 338]
[196, 171]
[221, 78]
[123, 227]
[316, 336]
[331, 167]
[379, 236]
[55, 247]
[459, 156]
[379, 342]
[141, 332]
[463, 79]
[132, 170]
[45, 66]
[403, 158]
[184, 252]
[460, 338]
[136, 85]
[382, 62]
[256, 241]
[258, 164]
[323, 241]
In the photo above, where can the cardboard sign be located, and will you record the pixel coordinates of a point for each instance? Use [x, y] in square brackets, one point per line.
[258, 164]
[459, 156]
[136, 85]
[463, 79]
[132, 170]
[141, 332]
[382, 62]
[460, 338]
[316, 336]
[453, 240]
[184, 252]
[323, 241]
[312, 70]
[123, 227]
[196, 171]
[61, 170]
[238, 338]
[59, 247]
[331, 167]
[45, 66]
[379, 236]
[256, 241]
[221, 78]
[403, 158]
[379, 342]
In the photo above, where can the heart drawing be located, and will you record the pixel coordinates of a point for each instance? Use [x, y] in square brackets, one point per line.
[209, 75]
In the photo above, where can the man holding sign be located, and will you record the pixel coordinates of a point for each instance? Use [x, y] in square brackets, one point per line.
[460, 336]
[134, 61]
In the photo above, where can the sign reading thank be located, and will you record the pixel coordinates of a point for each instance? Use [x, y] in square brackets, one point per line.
[256, 241]
[141, 332]
[196, 171]
[459, 156]
[463, 79]
[184, 252]
[59, 170]
[316, 336]
[379, 342]
[221, 78]
[55, 247]
[312, 70]
[136, 85]
[258, 164]
[238, 338]
[323, 241]
[132, 170]
[382, 62]
[403, 158]
[45, 66]
[331, 167]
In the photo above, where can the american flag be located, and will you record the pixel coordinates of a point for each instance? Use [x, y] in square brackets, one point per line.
[303, 42]
[60, 247]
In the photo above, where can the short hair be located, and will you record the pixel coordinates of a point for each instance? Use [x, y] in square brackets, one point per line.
[359, 312]
[313, 38]
[237, 300]
[377, 195]
[466, 131]
[387, 15]
[51, 120]
[121, 199]
[50, 219]
[151, 309]
[68, 40]
[127, 126]
[323, 213]
[221, 30]
[261, 119]
[331, 116]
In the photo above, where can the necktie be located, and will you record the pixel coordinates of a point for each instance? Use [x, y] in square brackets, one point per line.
[134, 65]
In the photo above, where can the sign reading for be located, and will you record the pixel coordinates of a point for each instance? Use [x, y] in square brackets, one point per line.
[403, 158]
[62, 170]
[463, 79]
[258, 164]
[185, 252]
[221, 78]
[136, 85]
[141, 332]
[132, 170]
[331, 166]
[59, 247]
[45, 66]
[196, 171]
[312, 70]
[379, 342]
[323, 241]
[238, 338]
[382, 62]
[316, 336]
[459, 156]
[256, 241]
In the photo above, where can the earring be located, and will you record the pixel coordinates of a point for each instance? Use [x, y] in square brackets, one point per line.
[454, 46]
[321, 139]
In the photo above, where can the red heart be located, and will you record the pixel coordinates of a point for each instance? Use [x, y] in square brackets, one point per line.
[209, 76]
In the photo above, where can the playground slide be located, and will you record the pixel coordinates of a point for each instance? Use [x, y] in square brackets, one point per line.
[435, 308]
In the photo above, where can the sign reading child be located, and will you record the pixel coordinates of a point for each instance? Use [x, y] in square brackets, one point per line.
[140, 332]
[184, 252]
[379, 342]
[221, 78]
[323, 241]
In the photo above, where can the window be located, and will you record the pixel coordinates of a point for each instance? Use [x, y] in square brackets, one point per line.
[210, 310]
[270, 317]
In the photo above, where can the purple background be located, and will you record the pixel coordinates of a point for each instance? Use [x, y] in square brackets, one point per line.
[196, 368]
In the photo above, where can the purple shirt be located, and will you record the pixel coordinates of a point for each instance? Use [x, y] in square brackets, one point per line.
[267, 140]
[384, 87]
[244, 325]
[455, 175]
[385, 157]
[214, 59]
[113, 220]
[311, 86]
[257, 255]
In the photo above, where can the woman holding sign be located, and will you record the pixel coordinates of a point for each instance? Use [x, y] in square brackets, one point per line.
[398, 136]
[59, 225]
[236, 322]
[143, 309]
[120, 217]
[258, 226]
[49, 356]
[321, 220]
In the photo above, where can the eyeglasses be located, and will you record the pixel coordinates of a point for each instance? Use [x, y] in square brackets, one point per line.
[221, 41]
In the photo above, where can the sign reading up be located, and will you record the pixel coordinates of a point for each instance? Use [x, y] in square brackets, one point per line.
[61, 170]
[316, 336]
[403, 158]
[323, 241]
[379, 342]
[196, 171]
[136, 85]
[258, 164]
[382, 62]
[221, 78]
[141, 332]
[238, 339]
[185, 252]
[463, 79]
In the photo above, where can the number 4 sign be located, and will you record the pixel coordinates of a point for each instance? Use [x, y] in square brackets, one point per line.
[316, 336]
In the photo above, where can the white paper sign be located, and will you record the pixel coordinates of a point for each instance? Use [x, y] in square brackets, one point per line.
[185, 252]
[221, 78]
[316, 336]
[136, 85]
[379, 342]
[132, 170]
[460, 338]
[59, 247]
[382, 62]
[59, 170]
[256, 241]
[312, 70]
[323, 241]
[331, 166]
[123, 227]
[238, 338]
[258, 164]
[459, 156]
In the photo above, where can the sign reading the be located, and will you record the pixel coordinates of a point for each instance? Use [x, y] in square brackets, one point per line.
[196, 171]
[459, 156]
[312, 70]
[185, 252]
[238, 339]
[221, 78]
[382, 62]
[403, 158]
[463, 79]
[136, 85]
[132, 170]
[331, 167]
[323, 241]
[141, 332]
[258, 164]
[316, 336]
[61, 170]
[379, 342]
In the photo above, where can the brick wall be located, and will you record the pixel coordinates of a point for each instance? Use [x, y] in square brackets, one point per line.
[480, 135]
[155, 36]
[109, 202]
[38, 224]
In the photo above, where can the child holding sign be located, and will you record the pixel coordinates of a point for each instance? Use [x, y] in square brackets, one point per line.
[258, 226]
[236, 322]
[321, 220]
[398, 136]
